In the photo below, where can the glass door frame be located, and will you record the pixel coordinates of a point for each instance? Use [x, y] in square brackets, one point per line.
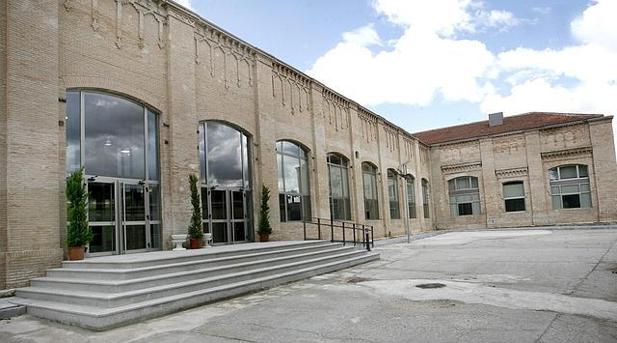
[119, 222]
[229, 220]
[114, 223]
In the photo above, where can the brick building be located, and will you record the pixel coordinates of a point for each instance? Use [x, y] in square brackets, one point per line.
[142, 93]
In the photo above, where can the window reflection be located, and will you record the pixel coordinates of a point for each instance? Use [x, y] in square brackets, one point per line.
[73, 129]
[114, 136]
[340, 203]
[371, 202]
[293, 182]
[224, 155]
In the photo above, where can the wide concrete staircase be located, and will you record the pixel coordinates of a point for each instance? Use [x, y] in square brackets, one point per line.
[101, 293]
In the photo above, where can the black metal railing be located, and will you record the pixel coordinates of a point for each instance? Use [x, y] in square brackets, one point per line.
[340, 231]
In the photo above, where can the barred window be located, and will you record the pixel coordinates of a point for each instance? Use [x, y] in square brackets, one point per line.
[464, 196]
[570, 186]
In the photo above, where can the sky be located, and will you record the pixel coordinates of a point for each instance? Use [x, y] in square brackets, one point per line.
[428, 64]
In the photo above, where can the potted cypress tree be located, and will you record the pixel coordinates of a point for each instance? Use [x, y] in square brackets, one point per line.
[264, 229]
[196, 233]
[78, 233]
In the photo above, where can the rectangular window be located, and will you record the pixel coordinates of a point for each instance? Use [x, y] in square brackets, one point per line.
[515, 205]
[571, 201]
[514, 196]
[465, 209]
[570, 187]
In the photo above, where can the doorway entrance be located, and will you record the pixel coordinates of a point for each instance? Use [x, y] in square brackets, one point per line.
[115, 141]
[122, 216]
[226, 213]
[225, 182]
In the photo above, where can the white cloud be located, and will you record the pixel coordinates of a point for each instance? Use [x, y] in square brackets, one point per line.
[497, 18]
[364, 36]
[590, 65]
[425, 61]
[430, 59]
[598, 24]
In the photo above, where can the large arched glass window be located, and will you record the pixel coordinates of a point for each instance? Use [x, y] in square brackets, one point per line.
[464, 196]
[395, 212]
[340, 204]
[293, 182]
[115, 140]
[225, 177]
[411, 195]
[425, 198]
[570, 186]
[371, 199]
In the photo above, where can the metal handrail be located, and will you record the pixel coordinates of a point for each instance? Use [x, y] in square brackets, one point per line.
[366, 231]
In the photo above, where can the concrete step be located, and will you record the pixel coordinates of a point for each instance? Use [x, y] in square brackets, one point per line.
[9, 310]
[158, 258]
[109, 300]
[113, 284]
[97, 318]
[125, 273]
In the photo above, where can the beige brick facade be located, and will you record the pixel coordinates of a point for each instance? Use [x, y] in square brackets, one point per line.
[191, 71]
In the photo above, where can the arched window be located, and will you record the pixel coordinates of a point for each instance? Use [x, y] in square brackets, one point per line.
[340, 204]
[425, 198]
[570, 186]
[514, 196]
[464, 196]
[371, 199]
[411, 195]
[395, 212]
[293, 181]
[225, 180]
[115, 140]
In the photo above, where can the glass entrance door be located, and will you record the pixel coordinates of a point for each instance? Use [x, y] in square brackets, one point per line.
[120, 216]
[134, 233]
[226, 211]
[102, 217]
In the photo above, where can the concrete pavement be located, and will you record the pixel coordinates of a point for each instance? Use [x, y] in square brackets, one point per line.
[492, 286]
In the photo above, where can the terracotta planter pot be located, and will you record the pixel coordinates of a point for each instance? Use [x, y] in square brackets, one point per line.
[76, 253]
[196, 243]
[264, 237]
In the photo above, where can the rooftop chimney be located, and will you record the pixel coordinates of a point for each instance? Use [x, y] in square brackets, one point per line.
[495, 119]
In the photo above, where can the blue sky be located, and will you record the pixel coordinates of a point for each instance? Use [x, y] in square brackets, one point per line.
[426, 64]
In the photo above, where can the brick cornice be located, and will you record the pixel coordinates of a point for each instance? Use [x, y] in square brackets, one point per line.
[511, 172]
[559, 154]
[461, 167]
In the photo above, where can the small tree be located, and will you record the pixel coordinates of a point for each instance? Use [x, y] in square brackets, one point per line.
[78, 231]
[264, 212]
[195, 231]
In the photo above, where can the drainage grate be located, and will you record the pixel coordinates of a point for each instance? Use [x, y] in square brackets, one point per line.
[430, 285]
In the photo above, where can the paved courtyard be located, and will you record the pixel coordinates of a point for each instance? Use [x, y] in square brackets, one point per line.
[489, 286]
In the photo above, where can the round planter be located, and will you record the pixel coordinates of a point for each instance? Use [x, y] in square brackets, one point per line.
[264, 237]
[76, 253]
[196, 243]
